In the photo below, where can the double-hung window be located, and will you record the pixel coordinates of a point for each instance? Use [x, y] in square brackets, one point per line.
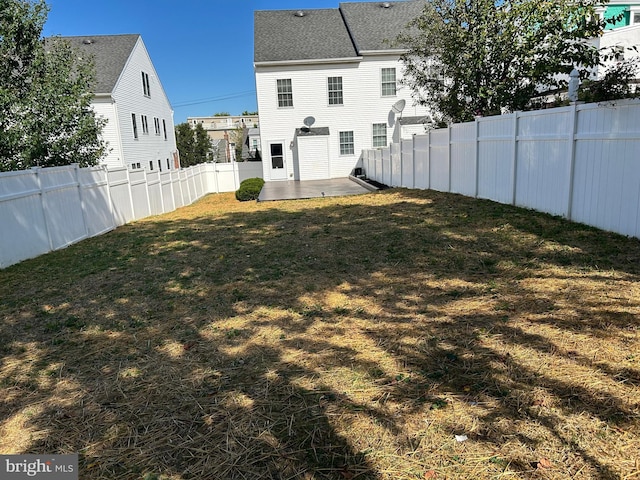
[334, 85]
[346, 143]
[146, 87]
[145, 124]
[388, 82]
[285, 92]
[135, 125]
[379, 134]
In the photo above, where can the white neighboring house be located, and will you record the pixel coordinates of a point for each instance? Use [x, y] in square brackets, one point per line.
[128, 94]
[327, 82]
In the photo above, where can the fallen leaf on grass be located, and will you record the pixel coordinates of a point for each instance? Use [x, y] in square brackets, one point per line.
[544, 463]
[430, 474]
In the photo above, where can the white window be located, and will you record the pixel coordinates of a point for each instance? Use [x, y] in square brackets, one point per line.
[145, 124]
[634, 15]
[388, 82]
[135, 125]
[150, 164]
[335, 90]
[146, 88]
[346, 143]
[285, 92]
[164, 128]
[156, 125]
[168, 164]
[379, 134]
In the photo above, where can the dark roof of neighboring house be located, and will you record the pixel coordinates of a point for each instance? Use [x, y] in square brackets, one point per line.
[318, 34]
[281, 35]
[110, 54]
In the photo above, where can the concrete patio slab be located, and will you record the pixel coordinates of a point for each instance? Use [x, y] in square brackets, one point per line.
[294, 190]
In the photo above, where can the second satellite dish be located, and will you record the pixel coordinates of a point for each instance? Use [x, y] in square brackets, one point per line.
[398, 107]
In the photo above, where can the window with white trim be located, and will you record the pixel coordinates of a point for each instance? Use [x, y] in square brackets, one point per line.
[156, 125]
[346, 143]
[334, 85]
[285, 92]
[379, 135]
[145, 124]
[135, 125]
[388, 76]
[146, 87]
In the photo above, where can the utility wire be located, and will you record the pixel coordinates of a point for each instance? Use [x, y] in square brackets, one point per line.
[188, 103]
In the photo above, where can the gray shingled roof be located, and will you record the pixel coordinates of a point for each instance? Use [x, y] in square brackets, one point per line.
[281, 35]
[312, 132]
[110, 54]
[373, 26]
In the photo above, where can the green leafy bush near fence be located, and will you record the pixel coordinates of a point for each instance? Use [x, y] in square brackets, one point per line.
[249, 189]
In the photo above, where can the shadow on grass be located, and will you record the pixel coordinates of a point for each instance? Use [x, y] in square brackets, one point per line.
[335, 338]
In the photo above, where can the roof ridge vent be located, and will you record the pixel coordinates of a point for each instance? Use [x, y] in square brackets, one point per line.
[385, 5]
[300, 13]
[88, 41]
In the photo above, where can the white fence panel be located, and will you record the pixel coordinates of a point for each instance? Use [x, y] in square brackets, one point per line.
[62, 205]
[396, 165]
[248, 170]
[386, 165]
[406, 155]
[155, 193]
[176, 186]
[421, 161]
[496, 161]
[166, 188]
[377, 166]
[463, 159]
[544, 157]
[139, 194]
[24, 231]
[120, 192]
[226, 177]
[439, 160]
[96, 202]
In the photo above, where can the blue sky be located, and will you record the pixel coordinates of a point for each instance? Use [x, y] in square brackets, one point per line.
[202, 49]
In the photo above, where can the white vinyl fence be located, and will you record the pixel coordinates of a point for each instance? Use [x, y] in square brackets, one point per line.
[45, 209]
[581, 162]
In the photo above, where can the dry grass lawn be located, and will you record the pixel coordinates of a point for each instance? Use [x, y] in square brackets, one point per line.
[340, 338]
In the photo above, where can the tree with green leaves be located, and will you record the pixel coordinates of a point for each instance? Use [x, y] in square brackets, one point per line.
[193, 144]
[476, 57]
[46, 117]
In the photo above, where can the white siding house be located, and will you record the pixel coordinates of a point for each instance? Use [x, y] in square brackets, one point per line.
[327, 81]
[128, 94]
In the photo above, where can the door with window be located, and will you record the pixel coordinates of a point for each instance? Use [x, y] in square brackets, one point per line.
[278, 161]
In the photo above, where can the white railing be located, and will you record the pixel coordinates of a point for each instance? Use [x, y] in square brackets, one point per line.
[581, 162]
[46, 209]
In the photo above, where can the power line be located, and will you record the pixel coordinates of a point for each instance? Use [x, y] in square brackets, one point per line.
[189, 103]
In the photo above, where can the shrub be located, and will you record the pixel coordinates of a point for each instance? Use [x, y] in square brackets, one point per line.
[249, 189]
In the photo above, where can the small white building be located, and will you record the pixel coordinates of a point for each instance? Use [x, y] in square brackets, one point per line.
[328, 86]
[129, 95]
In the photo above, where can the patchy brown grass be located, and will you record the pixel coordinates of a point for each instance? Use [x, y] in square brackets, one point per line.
[338, 338]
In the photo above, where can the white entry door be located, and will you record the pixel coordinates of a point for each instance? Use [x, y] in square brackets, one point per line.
[278, 161]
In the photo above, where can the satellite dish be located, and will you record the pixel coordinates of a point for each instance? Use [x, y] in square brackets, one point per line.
[309, 121]
[398, 107]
